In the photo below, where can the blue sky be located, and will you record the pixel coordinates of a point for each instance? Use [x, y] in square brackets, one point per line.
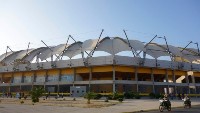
[24, 21]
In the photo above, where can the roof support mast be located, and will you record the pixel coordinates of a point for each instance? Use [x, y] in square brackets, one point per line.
[147, 44]
[197, 47]
[64, 48]
[28, 48]
[186, 46]
[7, 51]
[79, 46]
[167, 47]
[92, 52]
[133, 51]
[49, 48]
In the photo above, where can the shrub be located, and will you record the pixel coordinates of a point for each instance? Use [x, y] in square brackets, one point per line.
[36, 93]
[152, 95]
[109, 96]
[137, 95]
[97, 96]
[157, 96]
[89, 95]
[25, 97]
[120, 99]
[22, 102]
[106, 99]
[129, 95]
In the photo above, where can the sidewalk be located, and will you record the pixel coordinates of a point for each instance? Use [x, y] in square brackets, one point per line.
[128, 105]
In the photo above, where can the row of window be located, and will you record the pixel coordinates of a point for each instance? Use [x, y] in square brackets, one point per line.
[51, 78]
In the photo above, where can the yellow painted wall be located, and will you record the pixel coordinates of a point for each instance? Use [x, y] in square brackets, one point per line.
[67, 71]
[102, 69]
[7, 75]
[83, 70]
[159, 71]
[144, 70]
[17, 74]
[28, 73]
[169, 72]
[177, 72]
[53, 72]
[41, 73]
[124, 69]
[105, 78]
[196, 73]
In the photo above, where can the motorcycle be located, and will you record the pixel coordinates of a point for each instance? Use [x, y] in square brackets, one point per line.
[164, 104]
[187, 103]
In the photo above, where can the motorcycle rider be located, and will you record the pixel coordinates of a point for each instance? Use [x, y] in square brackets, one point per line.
[187, 100]
[166, 100]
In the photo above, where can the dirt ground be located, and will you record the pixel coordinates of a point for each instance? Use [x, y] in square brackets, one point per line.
[64, 102]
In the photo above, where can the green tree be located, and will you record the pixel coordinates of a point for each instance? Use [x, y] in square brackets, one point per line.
[36, 93]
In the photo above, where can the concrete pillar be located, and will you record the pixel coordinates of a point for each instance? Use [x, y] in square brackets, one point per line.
[193, 81]
[59, 79]
[22, 81]
[2, 78]
[90, 78]
[136, 78]
[113, 79]
[12, 79]
[46, 79]
[167, 80]
[33, 79]
[187, 81]
[152, 79]
[74, 73]
[174, 81]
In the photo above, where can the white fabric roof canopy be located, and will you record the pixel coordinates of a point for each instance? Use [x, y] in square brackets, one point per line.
[111, 45]
[155, 51]
[54, 50]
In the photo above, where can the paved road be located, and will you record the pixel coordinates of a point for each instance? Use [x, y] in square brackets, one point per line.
[194, 109]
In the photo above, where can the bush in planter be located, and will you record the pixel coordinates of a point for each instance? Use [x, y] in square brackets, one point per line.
[97, 96]
[109, 96]
[22, 102]
[120, 99]
[116, 95]
[137, 96]
[151, 95]
[129, 95]
[106, 100]
[157, 96]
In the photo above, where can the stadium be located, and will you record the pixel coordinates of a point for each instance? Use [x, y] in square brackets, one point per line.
[74, 68]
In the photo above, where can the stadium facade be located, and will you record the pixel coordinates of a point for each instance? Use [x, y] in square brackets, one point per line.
[46, 67]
